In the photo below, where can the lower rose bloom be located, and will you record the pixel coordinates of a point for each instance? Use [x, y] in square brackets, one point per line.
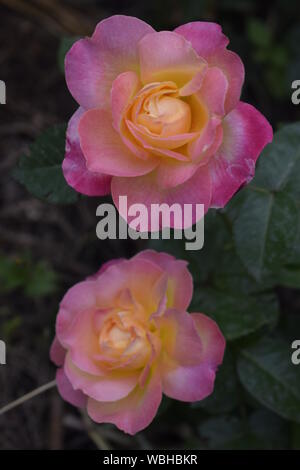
[123, 338]
[160, 118]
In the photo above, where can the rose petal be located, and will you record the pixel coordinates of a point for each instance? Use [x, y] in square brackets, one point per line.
[180, 281]
[80, 297]
[124, 88]
[172, 155]
[246, 132]
[210, 43]
[75, 397]
[104, 267]
[57, 353]
[129, 275]
[104, 150]
[181, 342]
[93, 63]
[74, 165]
[189, 383]
[199, 149]
[80, 312]
[214, 90]
[194, 84]
[212, 339]
[206, 38]
[168, 56]
[109, 387]
[82, 340]
[141, 273]
[232, 66]
[133, 413]
[170, 142]
[190, 355]
[171, 173]
[145, 190]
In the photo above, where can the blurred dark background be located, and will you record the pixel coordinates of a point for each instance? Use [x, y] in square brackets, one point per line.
[44, 249]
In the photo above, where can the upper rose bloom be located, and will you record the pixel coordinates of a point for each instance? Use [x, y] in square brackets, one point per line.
[160, 117]
[123, 337]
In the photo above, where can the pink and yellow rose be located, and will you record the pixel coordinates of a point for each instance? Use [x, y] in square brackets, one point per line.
[123, 338]
[160, 118]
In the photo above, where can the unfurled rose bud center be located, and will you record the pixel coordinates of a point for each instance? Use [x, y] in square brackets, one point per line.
[122, 334]
[165, 116]
[158, 110]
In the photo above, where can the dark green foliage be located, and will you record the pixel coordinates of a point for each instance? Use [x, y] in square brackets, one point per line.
[41, 170]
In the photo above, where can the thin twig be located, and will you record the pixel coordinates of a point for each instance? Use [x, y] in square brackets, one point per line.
[57, 18]
[94, 433]
[56, 428]
[28, 396]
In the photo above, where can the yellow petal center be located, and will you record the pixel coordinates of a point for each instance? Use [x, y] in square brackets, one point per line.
[165, 115]
[123, 335]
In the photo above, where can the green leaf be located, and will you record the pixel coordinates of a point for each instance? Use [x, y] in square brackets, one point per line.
[267, 373]
[270, 429]
[37, 280]
[265, 231]
[266, 224]
[228, 432]
[203, 262]
[225, 395]
[261, 430]
[258, 33]
[10, 327]
[237, 315]
[279, 160]
[12, 273]
[41, 171]
[42, 281]
[289, 277]
[294, 256]
[65, 45]
[231, 275]
[295, 436]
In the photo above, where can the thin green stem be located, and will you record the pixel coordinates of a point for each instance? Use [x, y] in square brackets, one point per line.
[252, 187]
